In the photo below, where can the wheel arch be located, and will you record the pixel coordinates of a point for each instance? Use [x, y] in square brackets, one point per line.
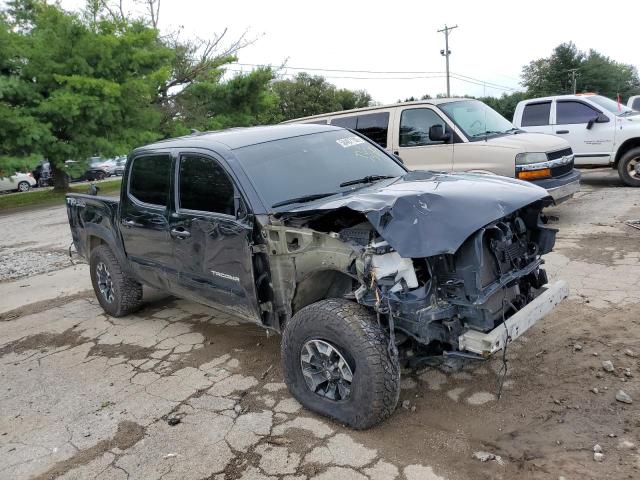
[96, 235]
[624, 148]
[319, 285]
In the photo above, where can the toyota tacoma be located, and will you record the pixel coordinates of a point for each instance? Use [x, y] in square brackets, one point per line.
[318, 233]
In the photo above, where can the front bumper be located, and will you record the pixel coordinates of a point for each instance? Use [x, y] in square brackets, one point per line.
[561, 188]
[486, 344]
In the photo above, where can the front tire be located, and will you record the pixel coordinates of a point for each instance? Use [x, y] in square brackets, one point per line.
[337, 363]
[117, 292]
[629, 168]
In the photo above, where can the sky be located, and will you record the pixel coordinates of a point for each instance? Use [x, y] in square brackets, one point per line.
[492, 43]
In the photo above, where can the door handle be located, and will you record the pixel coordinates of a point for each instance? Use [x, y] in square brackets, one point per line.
[131, 223]
[561, 132]
[180, 232]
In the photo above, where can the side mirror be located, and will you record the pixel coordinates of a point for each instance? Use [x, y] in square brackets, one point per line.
[600, 118]
[437, 134]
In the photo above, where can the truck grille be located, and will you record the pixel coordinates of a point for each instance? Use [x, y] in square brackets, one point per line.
[560, 170]
[559, 154]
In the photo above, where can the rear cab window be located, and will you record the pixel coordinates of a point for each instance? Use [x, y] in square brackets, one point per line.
[536, 114]
[150, 180]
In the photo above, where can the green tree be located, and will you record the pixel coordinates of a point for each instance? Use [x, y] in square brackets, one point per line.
[505, 105]
[71, 89]
[594, 72]
[212, 104]
[307, 95]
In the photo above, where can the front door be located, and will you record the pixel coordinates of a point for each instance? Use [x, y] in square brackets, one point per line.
[591, 146]
[211, 241]
[413, 145]
[144, 218]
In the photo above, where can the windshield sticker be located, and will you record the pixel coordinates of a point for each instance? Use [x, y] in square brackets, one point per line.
[349, 141]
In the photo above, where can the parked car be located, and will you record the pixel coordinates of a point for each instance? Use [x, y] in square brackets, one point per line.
[120, 163]
[319, 233]
[634, 103]
[21, 182]
[100, 168]
[602, 133]
[461, 134]
[44, 176]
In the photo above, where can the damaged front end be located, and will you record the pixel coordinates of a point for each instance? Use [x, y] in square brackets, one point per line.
[438, 300]
[444, 272]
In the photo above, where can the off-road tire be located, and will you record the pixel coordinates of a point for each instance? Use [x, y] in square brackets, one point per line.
[623, 166]
[127, 291]
[355, 332]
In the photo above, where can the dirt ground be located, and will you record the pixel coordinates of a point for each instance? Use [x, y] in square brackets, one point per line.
[84, 395]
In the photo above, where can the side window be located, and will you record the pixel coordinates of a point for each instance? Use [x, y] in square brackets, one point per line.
[344, 122]
[204, 185]
[415, 124]
[374, 126]
[636, 104]
[149, 179]
[574, 112]
[536, 114]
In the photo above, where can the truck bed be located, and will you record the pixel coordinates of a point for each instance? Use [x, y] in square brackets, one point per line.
[90, 215]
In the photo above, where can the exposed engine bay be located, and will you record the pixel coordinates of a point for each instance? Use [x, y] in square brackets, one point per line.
[428, 300]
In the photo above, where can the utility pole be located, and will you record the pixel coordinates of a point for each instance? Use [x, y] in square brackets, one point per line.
[446, 52]
[573, 79]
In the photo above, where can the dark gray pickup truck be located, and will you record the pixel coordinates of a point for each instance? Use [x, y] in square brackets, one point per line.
[316, 232]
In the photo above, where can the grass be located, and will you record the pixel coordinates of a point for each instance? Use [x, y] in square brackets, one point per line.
[42, 197]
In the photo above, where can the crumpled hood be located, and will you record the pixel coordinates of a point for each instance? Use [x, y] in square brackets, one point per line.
[425, 213]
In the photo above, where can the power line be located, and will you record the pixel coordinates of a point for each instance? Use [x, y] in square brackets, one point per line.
[418, 75]
[331, 69]
[377, 72]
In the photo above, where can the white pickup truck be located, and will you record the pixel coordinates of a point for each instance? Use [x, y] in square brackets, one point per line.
[601, 131]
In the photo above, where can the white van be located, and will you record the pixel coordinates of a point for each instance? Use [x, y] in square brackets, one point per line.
[601, 131]
[461, 134]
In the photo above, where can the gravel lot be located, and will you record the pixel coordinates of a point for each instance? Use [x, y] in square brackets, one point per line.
[182, 391]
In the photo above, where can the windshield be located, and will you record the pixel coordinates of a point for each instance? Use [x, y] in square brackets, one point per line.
[476, 119]
[609, 105]
[312, 164]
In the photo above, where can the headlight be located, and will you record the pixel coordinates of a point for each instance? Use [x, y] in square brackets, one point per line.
[534, 157]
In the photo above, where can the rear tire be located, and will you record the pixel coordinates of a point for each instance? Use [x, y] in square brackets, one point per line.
[118, 293]
[24, 187]
[629, 168]
[355, 337]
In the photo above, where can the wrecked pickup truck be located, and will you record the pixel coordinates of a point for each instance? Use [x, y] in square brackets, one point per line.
[318, 233]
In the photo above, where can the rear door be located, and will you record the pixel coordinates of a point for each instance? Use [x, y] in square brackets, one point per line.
[144, 221]
[412, 143]
[211, 235]
[591, 146]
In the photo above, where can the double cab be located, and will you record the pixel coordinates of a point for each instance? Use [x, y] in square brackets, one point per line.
[318, 233]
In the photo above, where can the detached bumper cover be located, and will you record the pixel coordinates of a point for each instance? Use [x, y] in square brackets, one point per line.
[486, 344]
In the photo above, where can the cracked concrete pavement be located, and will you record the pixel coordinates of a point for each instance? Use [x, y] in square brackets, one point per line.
[182, 391]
